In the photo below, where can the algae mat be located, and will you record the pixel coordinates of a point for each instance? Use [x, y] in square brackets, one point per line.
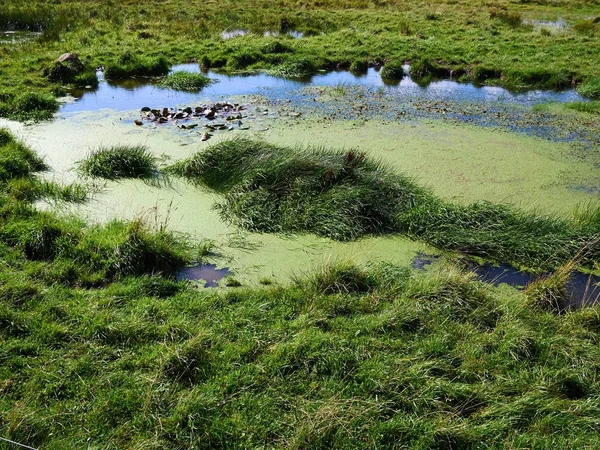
[462, 163]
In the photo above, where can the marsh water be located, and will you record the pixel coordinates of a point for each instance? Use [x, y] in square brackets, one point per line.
[581, 289]
[463, 163]
[137, 93]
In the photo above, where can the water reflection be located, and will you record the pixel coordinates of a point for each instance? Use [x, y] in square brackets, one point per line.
[135, 94]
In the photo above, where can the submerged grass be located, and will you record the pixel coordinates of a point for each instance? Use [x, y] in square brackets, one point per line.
[102, 349]
[120, 161]
[345, 195]
[185, 81]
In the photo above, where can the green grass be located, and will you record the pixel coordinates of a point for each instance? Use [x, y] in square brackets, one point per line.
[129, 65]
[345, 195]
[101, 348]
[27, 106]
[185, 81]
[120, 161]
[591, 107]
[590, 88]
[481, 43]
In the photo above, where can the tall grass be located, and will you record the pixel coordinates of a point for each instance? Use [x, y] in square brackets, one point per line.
[122, 161]
[345, 195]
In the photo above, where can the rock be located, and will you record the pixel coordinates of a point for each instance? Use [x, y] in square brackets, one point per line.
[72, 60]
[209, 114]
[139, 123]
[146, 109]
[205, 136]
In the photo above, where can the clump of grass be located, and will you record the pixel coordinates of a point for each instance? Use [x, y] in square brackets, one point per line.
[28, 106]
[242, 59]
[482, 74]
[231, 281]
[424, 69]
[297, 68]
[189, 364]
[588, 26]
[591, 107]
[123, 161]
[342, 195]
[130, 65]
[540, 77]
[392, 70]
[185, 81]
[359, 66]
[343, 277]
[510, 18]
[590, 88]
[17, 160]
[276, 47]
[549, 293]
[74, 73]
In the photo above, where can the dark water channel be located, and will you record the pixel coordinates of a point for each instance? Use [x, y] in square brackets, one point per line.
[137, 93]
[205, 272]
[582, 289]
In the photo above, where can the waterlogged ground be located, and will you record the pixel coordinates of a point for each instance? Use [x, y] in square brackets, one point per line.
[466, 143]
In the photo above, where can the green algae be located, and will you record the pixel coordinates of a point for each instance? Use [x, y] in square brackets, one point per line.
[460, 163]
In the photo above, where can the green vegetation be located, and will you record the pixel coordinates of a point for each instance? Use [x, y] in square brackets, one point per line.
[120, 161]
[185, 81]
[392, 71]
[591, 88]
[486, 43]
[344, 195]
[129, 65]
[101, 348]
[592, 107]
[420, 361]
[27, 106]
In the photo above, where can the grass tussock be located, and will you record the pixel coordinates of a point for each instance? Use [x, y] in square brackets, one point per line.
[185, 81]
[27, 106]
[392, 70]
[130, 65]
[590, 88]
[591, 107]
[340, 195]
[345, 195]
[123, 161]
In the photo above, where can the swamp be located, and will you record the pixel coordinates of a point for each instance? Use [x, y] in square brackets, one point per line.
[300, 224]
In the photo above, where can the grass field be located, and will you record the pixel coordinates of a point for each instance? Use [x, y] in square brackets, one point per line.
[102, 349]
[494, 43]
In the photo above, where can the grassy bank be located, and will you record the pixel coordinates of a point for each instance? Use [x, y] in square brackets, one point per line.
[495, 43]
[102, 349]
[345, 195]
